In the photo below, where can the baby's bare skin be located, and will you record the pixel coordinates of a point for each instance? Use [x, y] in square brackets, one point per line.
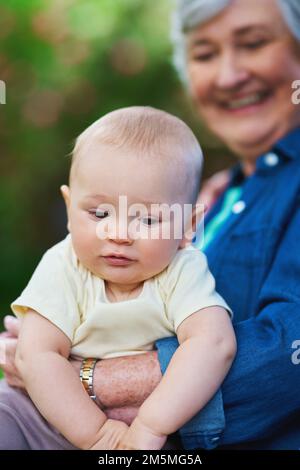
[122, 384]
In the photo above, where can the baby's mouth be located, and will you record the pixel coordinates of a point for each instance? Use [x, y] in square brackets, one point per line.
[117, 260]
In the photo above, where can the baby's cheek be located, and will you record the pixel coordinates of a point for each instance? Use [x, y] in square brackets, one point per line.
[158, 254]
[85, 242]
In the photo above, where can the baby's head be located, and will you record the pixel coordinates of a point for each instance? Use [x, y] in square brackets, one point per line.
[124, 167]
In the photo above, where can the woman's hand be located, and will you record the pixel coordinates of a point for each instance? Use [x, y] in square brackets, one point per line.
[213, 187]
[8, 344]
[126, 414]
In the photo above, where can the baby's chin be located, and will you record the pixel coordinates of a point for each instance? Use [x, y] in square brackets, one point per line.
[119, 275]
[127, 275]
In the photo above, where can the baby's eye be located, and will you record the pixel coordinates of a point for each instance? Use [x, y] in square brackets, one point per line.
[149, 221]
[99, 214]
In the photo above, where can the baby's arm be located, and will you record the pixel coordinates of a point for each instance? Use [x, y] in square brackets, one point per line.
[53, 385]
[196, 371]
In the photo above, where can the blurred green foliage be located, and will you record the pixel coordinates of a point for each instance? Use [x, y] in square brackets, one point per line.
[65, 63]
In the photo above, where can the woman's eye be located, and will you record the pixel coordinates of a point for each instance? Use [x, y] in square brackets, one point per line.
[203, 57]
[254, 44]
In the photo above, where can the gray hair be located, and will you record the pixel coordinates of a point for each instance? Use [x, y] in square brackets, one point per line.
[191, 13]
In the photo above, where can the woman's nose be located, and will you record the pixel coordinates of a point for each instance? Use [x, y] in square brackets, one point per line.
[231, 73]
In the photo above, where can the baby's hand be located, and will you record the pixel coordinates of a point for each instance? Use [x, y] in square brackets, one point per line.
[110, 435]
[141, 437]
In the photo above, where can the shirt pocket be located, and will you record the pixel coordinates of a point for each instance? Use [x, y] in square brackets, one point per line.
[250, 247]
[243, 262]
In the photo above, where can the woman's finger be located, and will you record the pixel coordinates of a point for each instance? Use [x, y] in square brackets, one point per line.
[126, 414]
[14, 381]
[7, 361]
[8, 352]
[12, 325]
[213, 188]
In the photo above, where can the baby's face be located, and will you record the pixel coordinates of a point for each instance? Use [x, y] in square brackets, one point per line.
[112, 237]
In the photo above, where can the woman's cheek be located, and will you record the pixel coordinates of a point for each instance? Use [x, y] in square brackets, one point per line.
[200, 80]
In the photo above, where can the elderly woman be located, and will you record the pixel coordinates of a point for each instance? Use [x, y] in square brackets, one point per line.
[238, 59]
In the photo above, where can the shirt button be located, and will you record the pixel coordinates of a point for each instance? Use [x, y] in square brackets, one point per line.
[271, 159]
[238, 207]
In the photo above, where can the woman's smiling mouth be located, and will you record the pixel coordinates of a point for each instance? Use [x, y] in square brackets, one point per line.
[244, 102]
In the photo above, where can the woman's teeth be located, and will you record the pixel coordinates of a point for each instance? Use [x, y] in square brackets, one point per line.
[247, 101]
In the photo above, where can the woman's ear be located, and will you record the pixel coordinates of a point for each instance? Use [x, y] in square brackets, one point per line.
[65, 191]
[196, 218]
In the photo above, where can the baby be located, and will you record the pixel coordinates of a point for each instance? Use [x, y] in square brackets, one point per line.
[122, 279]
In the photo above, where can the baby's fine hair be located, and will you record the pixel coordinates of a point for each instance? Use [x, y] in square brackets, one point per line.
[150, 133]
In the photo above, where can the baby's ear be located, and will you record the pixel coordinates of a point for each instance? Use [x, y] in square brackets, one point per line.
[196, 218]
[65, 191]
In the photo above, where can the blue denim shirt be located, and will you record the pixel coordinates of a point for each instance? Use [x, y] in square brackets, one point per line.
[255, 259]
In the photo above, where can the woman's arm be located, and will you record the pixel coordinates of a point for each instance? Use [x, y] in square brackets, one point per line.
[126, 381]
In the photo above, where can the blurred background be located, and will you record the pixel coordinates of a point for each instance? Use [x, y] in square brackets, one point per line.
[65, 63]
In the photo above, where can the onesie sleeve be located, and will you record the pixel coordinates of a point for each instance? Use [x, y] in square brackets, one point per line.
[188, 286]
[52, 291]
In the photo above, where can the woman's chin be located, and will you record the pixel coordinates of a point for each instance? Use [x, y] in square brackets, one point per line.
[247, 136]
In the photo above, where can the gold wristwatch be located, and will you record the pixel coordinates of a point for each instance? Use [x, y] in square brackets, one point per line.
[87, 375]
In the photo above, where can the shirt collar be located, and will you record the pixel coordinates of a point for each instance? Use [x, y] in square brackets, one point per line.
[289, 145]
